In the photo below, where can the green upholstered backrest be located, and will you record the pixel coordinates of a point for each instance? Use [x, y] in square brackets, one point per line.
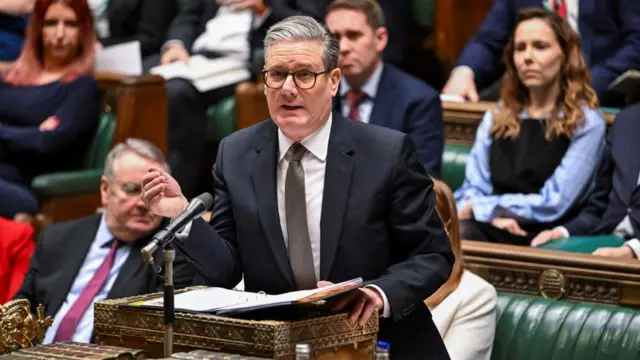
[424, 12]
[535, 328]
[454, 159]
[221, 119]
[101, 144]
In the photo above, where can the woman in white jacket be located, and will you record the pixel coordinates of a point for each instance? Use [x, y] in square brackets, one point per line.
[464, 308]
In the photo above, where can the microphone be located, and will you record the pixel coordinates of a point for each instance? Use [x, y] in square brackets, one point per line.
[195, 209]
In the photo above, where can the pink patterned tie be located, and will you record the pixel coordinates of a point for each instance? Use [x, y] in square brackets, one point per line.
[71, 320]
[354, 99]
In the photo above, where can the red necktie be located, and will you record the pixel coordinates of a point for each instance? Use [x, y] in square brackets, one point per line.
[71, 320]
[355, 98]
[561, 8]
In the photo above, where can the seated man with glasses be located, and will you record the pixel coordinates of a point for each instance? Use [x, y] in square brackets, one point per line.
[98, 257]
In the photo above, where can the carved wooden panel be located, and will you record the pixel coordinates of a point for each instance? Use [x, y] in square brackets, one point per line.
[555, 274]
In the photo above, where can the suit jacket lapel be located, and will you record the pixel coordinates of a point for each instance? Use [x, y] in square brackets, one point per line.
[83, 236]
[385, 97]
[338, 171]
[133, 278]
[263, 171]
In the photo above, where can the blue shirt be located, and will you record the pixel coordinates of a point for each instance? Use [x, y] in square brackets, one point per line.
[96, 255]
[570, 183]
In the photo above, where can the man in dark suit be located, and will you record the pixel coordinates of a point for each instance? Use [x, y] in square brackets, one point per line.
[98, 257]
[147, 21]
[614, 206]
[609, 30]
[310, 196]
[378, 93]
[188, 36]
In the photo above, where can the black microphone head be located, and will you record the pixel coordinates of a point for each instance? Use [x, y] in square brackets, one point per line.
[207, 200]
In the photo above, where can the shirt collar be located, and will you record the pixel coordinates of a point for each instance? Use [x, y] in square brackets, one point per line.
[370, 87]
[316, 143]
[104, 235]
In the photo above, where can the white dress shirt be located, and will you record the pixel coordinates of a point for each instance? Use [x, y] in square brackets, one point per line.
[99, 10]
[572, 14]
[370, 88]
[96, 255]
[314, 163]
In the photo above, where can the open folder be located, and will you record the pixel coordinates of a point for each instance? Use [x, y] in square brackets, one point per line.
[222, 301]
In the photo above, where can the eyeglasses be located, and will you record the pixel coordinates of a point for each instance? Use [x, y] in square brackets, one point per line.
[130, 189]
[304, 79]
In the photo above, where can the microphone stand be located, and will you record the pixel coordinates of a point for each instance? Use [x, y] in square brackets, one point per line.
[169, 306]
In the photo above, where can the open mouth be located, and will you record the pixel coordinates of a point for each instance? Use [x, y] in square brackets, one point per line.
[291, 107]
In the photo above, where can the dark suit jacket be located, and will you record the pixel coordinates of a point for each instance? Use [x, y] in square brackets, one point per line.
[378, 222]
[60, 251]
[609, 32]
[407, 104]
[617, 192]
[143, 20]
[192, 22]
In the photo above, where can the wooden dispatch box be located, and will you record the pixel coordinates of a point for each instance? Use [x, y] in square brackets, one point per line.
[331, 336]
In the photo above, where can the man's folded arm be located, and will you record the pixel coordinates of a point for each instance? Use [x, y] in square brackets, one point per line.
[417, 237]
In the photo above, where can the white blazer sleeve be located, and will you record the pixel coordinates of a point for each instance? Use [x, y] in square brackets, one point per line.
[471, 331]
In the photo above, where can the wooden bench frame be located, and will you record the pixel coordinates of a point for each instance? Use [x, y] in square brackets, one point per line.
[555, 274]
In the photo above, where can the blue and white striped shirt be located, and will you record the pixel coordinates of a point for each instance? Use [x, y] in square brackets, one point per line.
[570, 183]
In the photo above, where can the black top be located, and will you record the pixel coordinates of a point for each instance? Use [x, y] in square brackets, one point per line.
[27, 150]
[522, 165]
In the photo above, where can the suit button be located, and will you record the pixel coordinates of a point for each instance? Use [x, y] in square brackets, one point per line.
[629, 210]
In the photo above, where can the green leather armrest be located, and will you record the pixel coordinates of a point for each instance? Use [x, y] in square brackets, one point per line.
[67, 183]
[584, 244]
[221, 119]
[454, 161]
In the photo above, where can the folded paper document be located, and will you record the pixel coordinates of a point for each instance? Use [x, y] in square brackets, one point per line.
[222, 301]
[206, 74]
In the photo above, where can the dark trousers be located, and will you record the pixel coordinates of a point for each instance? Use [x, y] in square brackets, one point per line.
[187, 130]
[15, 195]
[479, 231]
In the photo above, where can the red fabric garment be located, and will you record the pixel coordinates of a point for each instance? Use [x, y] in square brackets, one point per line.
[17, 243]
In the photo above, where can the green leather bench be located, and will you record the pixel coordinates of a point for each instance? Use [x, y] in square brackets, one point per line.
[537, 328]
[87, 178]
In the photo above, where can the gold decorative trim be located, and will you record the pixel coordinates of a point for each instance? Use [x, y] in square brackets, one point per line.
[552, 284]
[19, 328]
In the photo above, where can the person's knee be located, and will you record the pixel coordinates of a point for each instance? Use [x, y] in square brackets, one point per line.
[180, 89]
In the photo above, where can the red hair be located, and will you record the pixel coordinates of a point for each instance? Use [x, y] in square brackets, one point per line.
[30, 64]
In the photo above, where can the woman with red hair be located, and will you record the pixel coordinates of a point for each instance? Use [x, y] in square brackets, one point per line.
[49, 101]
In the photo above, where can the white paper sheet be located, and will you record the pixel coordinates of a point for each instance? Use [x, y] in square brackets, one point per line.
[123, 59]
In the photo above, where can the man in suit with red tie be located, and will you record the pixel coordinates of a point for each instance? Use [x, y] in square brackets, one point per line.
[98, 257]
[376, 92]
[309, 196]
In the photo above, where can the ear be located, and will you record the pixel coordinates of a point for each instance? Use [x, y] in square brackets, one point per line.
[104, 190]
[382, 38]
[334, 80]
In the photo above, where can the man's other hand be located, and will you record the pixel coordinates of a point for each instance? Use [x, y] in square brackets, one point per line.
[362, 302]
